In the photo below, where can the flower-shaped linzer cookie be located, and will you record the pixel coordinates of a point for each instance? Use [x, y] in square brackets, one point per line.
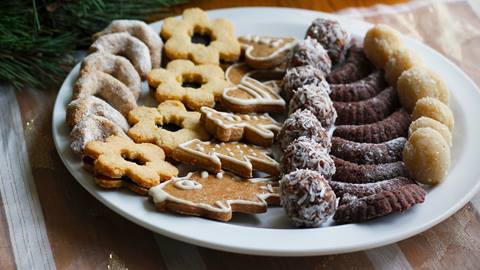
[195, 86]
[200, 39]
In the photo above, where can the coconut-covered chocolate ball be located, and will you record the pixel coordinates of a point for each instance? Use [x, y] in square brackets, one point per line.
[307, 198]
[302, 123]
[299, 76]
[305, 153]
[309, 52]
[331, 35]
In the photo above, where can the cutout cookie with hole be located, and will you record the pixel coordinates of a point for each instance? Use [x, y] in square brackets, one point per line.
[167, 126]
[195, 86]
[197, 38]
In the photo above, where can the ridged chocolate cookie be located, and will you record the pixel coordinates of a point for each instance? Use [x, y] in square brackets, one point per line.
[360, 90]
[368, 153]
[355, 173]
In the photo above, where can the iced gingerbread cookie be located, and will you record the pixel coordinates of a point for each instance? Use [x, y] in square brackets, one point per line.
[105, 86]
[379, 44]
[140, 30]
[197, 38]
[167, 126]
[237, 72]
[307, 198]
[331, 35]
[236, 157]
[302, 123]
[214, 196]
[305, 153]
[125, 45]
[195, 86]
[228, 127]
[120, 159]
[419, 82]
[309, 52]
[427, 156]
[117, 66]
[265, 52]
[435, 109]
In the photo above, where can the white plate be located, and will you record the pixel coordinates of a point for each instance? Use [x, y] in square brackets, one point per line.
[269, 233]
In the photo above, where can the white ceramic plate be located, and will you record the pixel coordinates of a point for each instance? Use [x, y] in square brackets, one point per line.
[270, 233]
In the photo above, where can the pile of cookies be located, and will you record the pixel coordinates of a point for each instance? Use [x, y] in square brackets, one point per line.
[315, 125]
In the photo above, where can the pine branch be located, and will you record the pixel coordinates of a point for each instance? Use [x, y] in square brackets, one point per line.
[38, 37]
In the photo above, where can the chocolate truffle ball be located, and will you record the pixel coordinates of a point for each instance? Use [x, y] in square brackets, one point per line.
[309, 52]
[302, 123]
[331, 35]
[307, 198]
[299, 76]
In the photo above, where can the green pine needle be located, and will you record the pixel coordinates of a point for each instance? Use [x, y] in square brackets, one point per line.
[38, 37]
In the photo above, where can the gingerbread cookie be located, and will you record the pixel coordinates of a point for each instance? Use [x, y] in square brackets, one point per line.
[265, 52]
[141, 31]
[195, 86]
[200, 39]
[236, 157]
[227, 127]
[167, 126]
[214, 196]
[252, 96]
[235, 73]
[121, 159]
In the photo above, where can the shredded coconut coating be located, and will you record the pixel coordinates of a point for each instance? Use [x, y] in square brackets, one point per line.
[299, 76]
[302, 123]
[305, 153]
[309, 52]
[331, 35]
[307, 198]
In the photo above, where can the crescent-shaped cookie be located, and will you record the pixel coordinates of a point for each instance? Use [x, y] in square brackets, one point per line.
[126, 45]
[360, 90]
[355, 67]
[394, 126]
[140, 30]
[368, 153]
[367, 111]
[363, 190]
[117, 66]
[355, 173]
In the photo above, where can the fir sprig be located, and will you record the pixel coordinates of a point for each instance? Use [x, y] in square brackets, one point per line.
[38, 37]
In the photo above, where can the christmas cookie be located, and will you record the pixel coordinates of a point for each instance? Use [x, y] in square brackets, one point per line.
[400, 61]
[424, 122]
[331, 35]
[167, 126]
[197, 38]
[214, 196]
[363, 89]
[237, 72]
[236, 157]
[309, 52]
[120, 159]
[125, 45]
[435, 109]
[307, 198]
[379, 44]
[355, 67]
[297, 77]
[227, 127]
[367, 173]
[141, 31]
[182, 80]
[342, 189]
[265, 52]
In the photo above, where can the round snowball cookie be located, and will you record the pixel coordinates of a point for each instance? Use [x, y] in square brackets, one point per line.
[307, 198]
[427, 156]
[302, 123]
[424, 122]
[331, 35]
[418, 82]
[315, 99]
[309, 52]
[400, 61]
[379, 44]
[435, 109]
[299, 76]
[305, 153]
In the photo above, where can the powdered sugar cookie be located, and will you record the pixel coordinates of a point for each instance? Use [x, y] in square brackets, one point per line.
[424, 122]
[266, 52]
[379, 44]
[214, 196]
[435, 109]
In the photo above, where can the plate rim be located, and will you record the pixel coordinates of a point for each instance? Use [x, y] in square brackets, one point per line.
[271, 251]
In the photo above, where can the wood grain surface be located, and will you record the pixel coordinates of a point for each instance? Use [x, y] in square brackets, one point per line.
[84, 234]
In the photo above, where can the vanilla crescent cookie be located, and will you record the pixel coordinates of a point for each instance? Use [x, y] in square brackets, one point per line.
[238, 158]
[214, 196]
[182, 80]
[266, 52]
[117, 66]
[167, 126]
[125, 45]
[217, 39]
[120, 158]
[226, 127]
[80, 108]
[105, 86]
[140, 30]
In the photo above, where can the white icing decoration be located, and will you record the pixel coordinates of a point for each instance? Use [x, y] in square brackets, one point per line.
[262, 94]
[187, 184]
[219, 175]
[204, 174]
[272, 42]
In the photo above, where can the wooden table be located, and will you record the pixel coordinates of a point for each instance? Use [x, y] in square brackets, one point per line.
[48, 220]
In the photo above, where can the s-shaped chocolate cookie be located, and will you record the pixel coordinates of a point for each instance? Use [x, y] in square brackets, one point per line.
[360, 90]
[354, 173]
[355, 67]
[368, 153]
